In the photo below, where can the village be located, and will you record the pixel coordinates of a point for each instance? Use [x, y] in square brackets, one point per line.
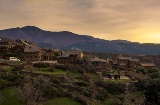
[27, 51]
[73, 66]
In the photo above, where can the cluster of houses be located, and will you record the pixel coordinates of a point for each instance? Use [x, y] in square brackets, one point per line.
[105, 66]
[24, 50]
[29, 51]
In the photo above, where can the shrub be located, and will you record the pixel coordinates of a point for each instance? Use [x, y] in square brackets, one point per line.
[17, 68]
[112, 88]
[10, 80]
[102, 94]
[152, 91]
[82, 99]
[41, 65]
[141, 70]
[51, 68]
[154, 75]
[63, 67]
[154, 70]
[87, 77]
[11, 55]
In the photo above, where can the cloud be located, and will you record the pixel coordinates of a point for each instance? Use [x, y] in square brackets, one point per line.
[119, 18]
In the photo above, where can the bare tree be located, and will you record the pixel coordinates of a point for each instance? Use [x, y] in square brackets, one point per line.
[30, 94]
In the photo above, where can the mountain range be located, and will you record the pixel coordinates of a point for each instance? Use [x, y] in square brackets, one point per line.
[66, 40]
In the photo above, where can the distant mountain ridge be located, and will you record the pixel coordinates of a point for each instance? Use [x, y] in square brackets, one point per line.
[67, 40]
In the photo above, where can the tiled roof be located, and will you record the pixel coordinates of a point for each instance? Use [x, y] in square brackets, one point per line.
[125, 58]
[147, 64]
[128, 58]
[97, 59]
[31, 49]
[70, 52]
[134, 60]
[25, 43]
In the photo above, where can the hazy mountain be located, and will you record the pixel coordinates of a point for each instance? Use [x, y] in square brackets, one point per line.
[67, 40]
[34, 34]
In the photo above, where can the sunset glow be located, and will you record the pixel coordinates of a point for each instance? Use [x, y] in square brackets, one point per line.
[133, 20]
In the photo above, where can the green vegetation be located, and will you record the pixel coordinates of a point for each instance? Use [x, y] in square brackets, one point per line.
[8, 96]
[152, 91]
[141, 70]
[61, 101]
[64, 85]
[136, 94]
[95, 77]
[9, 79]
[107, 102]
[41, 65]
[45, 71]
[6, 68]
[10, 55]
[76, 75]
[116, 81]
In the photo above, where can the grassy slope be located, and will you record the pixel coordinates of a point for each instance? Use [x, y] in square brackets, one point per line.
[56, 71]
[8, 97]
[61, 101]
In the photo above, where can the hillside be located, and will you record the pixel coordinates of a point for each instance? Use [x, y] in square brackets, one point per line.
[65, 40]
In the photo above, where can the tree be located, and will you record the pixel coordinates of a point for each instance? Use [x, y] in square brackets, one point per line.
[155, 75]
[29, 94]
[141, 70]
[102, 94]
[154, 70]
[152, 91]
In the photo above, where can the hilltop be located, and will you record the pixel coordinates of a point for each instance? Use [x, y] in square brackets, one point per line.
[65, 40]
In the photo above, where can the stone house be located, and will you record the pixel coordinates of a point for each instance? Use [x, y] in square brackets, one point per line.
[48, 54]
[147, 66]
[71, 56]
[96, 63]
[32, 53]
[110, 75]
[5, 45]
[127, 62]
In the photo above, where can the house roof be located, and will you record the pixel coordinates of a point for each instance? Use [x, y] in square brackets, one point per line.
[128, 58]
[70, 52]
[124, 58]
[114, 62]
[96, 59]
[31, 49]
[147, 64]
[134, 60]
[25, 43]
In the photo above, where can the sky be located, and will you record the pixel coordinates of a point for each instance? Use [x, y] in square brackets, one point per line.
[133, 20]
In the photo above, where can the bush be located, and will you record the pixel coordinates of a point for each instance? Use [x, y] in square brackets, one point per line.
[4, 83]
[82, 99]
[141, 70]
[10, 80]
[41, 65]
[17, 68]
[87, 77]
[112, 88]
[71, 68]
[51, 68]
[102, 94]
[11, 55]
[152, 91]
[154, 70]
[63, 67]
[155, 75]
